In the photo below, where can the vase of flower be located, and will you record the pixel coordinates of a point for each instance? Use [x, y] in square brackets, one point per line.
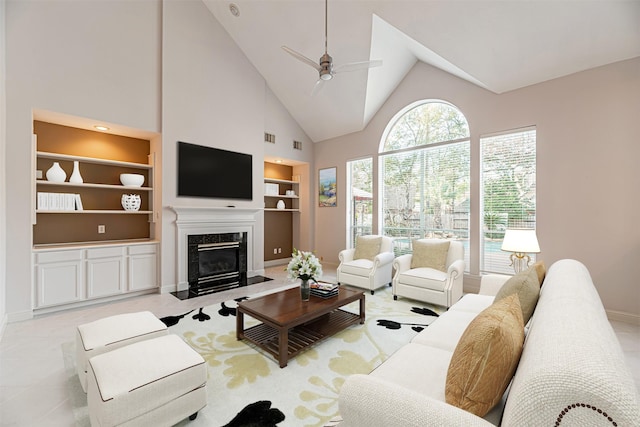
[306, 267]
[305, 290]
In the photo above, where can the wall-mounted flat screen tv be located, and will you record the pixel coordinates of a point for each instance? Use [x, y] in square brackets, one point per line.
[212, 172]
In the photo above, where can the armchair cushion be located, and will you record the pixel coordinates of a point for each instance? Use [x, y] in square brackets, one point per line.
[486, 357]
[427, 278]
[525, 284]
[367, 247]
[430, 254]
[359, 267]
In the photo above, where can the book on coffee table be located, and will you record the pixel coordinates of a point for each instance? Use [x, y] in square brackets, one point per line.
[324, 289]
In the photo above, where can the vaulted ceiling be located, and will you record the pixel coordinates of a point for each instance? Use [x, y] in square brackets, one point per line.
[498, 45]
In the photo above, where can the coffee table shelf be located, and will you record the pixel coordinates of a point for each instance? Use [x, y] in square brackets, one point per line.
[303, 336]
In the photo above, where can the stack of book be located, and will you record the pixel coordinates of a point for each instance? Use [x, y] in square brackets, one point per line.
[324, 289]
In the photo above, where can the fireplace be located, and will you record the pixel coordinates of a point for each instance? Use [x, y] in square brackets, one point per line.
[216, 262]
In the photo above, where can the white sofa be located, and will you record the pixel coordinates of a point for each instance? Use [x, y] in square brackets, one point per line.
[571, 372]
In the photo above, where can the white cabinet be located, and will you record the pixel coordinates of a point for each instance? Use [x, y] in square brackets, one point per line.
[58, 278]
[105, 271]
[80, 274]
[143, 267]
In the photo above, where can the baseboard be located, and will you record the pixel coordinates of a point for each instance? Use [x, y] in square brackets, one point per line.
[19, 316]
[277, 262]
[621, 316]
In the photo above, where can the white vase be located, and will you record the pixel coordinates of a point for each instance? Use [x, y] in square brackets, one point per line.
[75, 177]
[56, 173]
[131, 202]
[280, 204]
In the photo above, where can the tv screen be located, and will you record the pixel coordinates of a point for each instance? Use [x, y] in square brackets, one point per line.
[212, 172]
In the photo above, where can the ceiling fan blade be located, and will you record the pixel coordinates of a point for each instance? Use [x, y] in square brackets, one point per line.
[318, 87]
[301, 57]
[355, 66]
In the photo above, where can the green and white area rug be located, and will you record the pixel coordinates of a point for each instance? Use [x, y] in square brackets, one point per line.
[306, 390]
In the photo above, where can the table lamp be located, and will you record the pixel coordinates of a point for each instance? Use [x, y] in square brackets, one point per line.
[520, 242]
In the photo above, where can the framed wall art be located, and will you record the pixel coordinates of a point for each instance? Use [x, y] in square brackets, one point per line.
[327, 188]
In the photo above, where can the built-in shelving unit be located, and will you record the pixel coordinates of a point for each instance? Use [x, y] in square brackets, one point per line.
[116, 165]
[96, 250]
[291, 201]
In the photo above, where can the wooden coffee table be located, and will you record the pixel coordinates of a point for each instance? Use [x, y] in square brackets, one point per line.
[300, 324]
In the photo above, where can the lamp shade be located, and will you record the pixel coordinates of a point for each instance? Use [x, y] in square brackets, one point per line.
[520, 240]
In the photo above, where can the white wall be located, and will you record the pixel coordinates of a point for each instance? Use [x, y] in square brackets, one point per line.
[587, 177]
[3, 177]
[212, 96]
[98, 59]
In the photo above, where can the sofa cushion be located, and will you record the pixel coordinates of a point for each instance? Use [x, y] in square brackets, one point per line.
[446, 330]
[430, 253]
[417, 367]
[472, 303]
[486, 357]
[367, 247]
[525, 284]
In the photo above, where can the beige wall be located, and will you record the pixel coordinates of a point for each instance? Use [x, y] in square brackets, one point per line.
[587, 176]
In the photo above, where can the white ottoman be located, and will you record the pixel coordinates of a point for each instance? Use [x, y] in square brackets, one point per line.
[111, 333]
[156, 382]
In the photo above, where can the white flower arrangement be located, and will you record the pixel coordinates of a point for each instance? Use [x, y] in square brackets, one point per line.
[304, 265]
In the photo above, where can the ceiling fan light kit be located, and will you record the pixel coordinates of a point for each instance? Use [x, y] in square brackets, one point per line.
[325, 68]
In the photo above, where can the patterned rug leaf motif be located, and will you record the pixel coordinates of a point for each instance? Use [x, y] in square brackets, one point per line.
[306, 391]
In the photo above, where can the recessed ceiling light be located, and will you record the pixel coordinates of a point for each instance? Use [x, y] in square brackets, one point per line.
[101, 128]
[234, 9]
[278, 161]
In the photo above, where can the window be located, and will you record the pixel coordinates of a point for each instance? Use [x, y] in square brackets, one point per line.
[360, 197]
[424, 175]
[508, 179]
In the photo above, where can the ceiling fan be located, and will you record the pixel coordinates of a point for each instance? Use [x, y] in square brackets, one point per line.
[325, 67]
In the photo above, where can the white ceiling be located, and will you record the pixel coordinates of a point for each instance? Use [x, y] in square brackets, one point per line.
[498, 45]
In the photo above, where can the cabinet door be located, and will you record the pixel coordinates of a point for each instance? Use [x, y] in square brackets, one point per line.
[59, 283]
[105, 276]
[142, 272]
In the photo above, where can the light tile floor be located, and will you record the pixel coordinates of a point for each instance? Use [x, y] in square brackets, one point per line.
[32, 374]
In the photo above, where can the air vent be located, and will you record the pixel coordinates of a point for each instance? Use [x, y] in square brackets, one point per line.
[269, 137]
[297, 145]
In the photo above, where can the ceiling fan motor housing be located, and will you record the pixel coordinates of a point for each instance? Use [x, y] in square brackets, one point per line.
[326, 65]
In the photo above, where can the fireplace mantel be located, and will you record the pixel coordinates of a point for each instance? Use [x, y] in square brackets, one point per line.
[211, 220]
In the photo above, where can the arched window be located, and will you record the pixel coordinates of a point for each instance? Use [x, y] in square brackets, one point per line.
[424, 174]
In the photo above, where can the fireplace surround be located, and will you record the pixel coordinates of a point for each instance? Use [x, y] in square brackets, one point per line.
[229, 222]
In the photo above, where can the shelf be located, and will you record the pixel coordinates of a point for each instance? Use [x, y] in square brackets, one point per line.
[281, 196]
[280, 181]
[88, 211]
[281, 210]
[89, 185]
[56, 156]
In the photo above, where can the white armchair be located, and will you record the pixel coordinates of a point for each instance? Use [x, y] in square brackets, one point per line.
[368, 265]
[416, 278]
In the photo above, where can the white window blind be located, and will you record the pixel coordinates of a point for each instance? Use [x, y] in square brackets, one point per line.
[508, 179]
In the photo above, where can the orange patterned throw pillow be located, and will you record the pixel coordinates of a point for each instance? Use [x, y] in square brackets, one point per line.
[486, 357]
